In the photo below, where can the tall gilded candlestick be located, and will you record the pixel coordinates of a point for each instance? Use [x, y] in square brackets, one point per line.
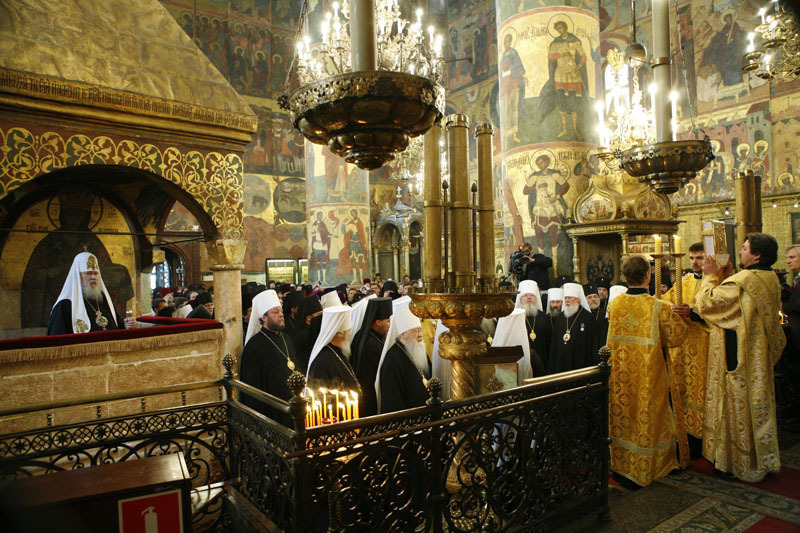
[483, 134]
[659, 258]
[460, 238]
[363, 49]
[677, 258]
[432, 212]
[661, 70]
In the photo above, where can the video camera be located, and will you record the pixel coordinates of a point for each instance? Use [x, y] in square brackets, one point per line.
[520, 260]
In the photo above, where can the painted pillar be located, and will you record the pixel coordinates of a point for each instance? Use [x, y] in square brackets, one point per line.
[337, 199]
[406, 259]
[395, 262]
[226, 257]
[548, 66]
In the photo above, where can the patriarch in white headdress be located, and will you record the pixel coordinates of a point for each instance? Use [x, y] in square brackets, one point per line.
[83, 287]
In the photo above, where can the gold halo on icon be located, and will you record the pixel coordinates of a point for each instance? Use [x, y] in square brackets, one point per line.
[510, 31]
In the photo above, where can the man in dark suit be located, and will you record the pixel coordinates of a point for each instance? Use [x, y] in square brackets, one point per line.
[790, 296]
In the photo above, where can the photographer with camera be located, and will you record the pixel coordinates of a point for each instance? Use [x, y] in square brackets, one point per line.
[528, 265]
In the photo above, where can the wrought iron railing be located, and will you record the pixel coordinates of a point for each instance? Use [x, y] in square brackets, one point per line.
[525, 459]
[528, 458]
[198, 432]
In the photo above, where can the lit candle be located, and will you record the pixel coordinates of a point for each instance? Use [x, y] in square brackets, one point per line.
[658, 243]
[324, 392]
[330, 414]
[763, 13]
[677, 247]
[336, 394]
[309, 421]
[355, 404]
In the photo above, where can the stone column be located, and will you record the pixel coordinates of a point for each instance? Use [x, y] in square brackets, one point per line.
[549, 79]
[406, 259]
[226, 257]
[395, 262]
[339, 241]
[375, 264]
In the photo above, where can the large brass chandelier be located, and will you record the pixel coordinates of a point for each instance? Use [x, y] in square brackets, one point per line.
[778, 55]
[667, 164]
[371, 83]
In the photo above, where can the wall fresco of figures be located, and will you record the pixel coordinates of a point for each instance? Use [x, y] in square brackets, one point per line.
[251, 42]
[548, 72]
[338, 223]
[752, 124]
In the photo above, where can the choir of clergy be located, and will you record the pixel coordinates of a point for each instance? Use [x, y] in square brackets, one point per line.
[701, 368]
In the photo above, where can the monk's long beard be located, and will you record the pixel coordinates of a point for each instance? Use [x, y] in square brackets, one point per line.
[571, 309]
[594, 307]
[530, 310]
[345, 347]
[417, 354]
[554, 312]
[91, 293]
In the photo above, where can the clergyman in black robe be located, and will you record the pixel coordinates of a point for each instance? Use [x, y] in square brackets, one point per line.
[269, 356]
[598, 311]
[309, 316]
[328, 366]
[574, 343]
[291, 304]
[579, 348]
[402, 385]
[405, 367]
[367, 346]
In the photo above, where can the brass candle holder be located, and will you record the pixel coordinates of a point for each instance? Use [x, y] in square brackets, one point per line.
[459, 299]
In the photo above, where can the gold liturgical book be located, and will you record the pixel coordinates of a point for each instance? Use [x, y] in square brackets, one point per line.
[715, 241]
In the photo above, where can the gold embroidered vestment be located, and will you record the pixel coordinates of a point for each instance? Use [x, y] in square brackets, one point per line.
[740, 432]
[689, 360]
[644, 428]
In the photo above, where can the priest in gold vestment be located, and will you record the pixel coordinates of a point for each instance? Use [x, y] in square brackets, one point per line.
[690, 358]
[646, 430]
[740, 436]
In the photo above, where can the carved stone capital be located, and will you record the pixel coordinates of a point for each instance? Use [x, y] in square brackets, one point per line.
[226, 254]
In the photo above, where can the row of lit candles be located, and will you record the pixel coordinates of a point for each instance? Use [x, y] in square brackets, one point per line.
[332, 407]
[676, 247]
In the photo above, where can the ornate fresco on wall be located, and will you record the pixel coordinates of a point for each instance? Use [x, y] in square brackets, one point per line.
[338, 225]
[752, 124]
[211, 178]
[275, 219]
[38, 263]
[548, 63]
